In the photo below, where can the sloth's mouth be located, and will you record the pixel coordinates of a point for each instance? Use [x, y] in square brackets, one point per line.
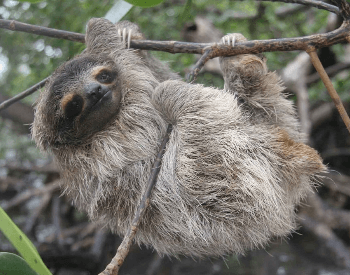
[101, 98]
[105, 97]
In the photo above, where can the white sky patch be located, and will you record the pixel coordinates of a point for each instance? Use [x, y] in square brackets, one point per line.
[49, 51]
[25, 6]
[10, 3]
[3, 65]
[39, 45]
[24, 69]
[42, 5]
[4, 13]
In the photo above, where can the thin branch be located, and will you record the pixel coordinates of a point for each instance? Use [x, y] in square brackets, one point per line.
[35, 213]
[283, 12]
[23, 27]
[50, 188]
[252, 46]
[24, 94]
[311, 3]
[326, 236]
[328, 83]
[199, 65]
[331, 71]
[123, 250]
[344, 8]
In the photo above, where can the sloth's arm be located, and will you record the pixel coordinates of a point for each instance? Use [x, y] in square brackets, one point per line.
[260, 91]
[177, 100]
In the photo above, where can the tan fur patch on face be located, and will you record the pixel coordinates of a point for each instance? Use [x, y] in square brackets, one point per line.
[97, 70]
[66, 99]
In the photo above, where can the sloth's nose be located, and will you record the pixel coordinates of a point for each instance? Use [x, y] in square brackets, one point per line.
[94, 92]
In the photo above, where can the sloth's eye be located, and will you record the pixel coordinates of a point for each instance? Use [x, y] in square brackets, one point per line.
[74, 107]
[105, 77]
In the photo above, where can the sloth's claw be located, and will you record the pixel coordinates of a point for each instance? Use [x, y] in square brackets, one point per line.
[125, 36]
[226, 40]
[129, 38]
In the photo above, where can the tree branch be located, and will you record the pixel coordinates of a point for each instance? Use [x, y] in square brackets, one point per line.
[123, 250]
[24, 94]
[252, 46]
[13, 25]
[328, 83]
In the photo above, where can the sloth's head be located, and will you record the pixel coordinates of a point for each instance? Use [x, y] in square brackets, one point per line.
[81, 98]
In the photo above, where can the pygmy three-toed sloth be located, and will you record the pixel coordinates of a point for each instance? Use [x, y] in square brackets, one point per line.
[234, 167]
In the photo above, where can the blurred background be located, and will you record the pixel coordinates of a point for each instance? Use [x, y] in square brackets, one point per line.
[67, 242]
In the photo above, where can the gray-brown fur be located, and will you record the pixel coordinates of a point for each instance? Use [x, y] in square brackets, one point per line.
[231, 174]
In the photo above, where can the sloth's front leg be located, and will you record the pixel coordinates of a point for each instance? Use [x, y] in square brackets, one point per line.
[241, 72]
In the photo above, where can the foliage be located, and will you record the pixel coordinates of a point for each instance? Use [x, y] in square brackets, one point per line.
[145, 3]
[32, 57]
[23, 245]
[11, 264]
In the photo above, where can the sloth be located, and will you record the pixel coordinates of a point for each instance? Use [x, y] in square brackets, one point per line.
[233, 171]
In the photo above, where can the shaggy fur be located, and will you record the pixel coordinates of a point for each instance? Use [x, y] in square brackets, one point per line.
[231, 175]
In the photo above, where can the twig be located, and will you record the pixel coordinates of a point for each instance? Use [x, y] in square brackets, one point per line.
[332, 92]
[303, 107]
[199, 65]
[99, 242]
[311, 3]
[14, 25]
[252, 46]
[47, 169]
[24, 94]
[31, 221]
[154, 265]
[287, 11]
[56, 219]
[338, 183]
[123, 250]
[336, 152]
[331, 71]
[31, 193]
[344, 8]
[327, 238]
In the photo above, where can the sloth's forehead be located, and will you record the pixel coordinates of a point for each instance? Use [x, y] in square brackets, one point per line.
[76, 71]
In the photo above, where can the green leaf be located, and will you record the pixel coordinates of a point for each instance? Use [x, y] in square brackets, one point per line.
[23, 245]
[11, 264]
[31, 1]
[144, 3]
[186, 13]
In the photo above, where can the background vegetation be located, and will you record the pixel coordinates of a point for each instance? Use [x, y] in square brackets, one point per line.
[26, 59]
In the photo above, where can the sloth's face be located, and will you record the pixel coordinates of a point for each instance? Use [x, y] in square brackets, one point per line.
[83, 96]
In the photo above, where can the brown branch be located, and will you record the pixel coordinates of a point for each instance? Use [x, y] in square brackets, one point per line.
[331, 71]
[338, 183]
[123, 250]
[332, 92]
[35, 214]
[344, 8]
[326, 236]
[253, 46]
[283, 12]
[311, 3]
[13, 25]
[24, 94]
[199, 65]
[31, 193]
